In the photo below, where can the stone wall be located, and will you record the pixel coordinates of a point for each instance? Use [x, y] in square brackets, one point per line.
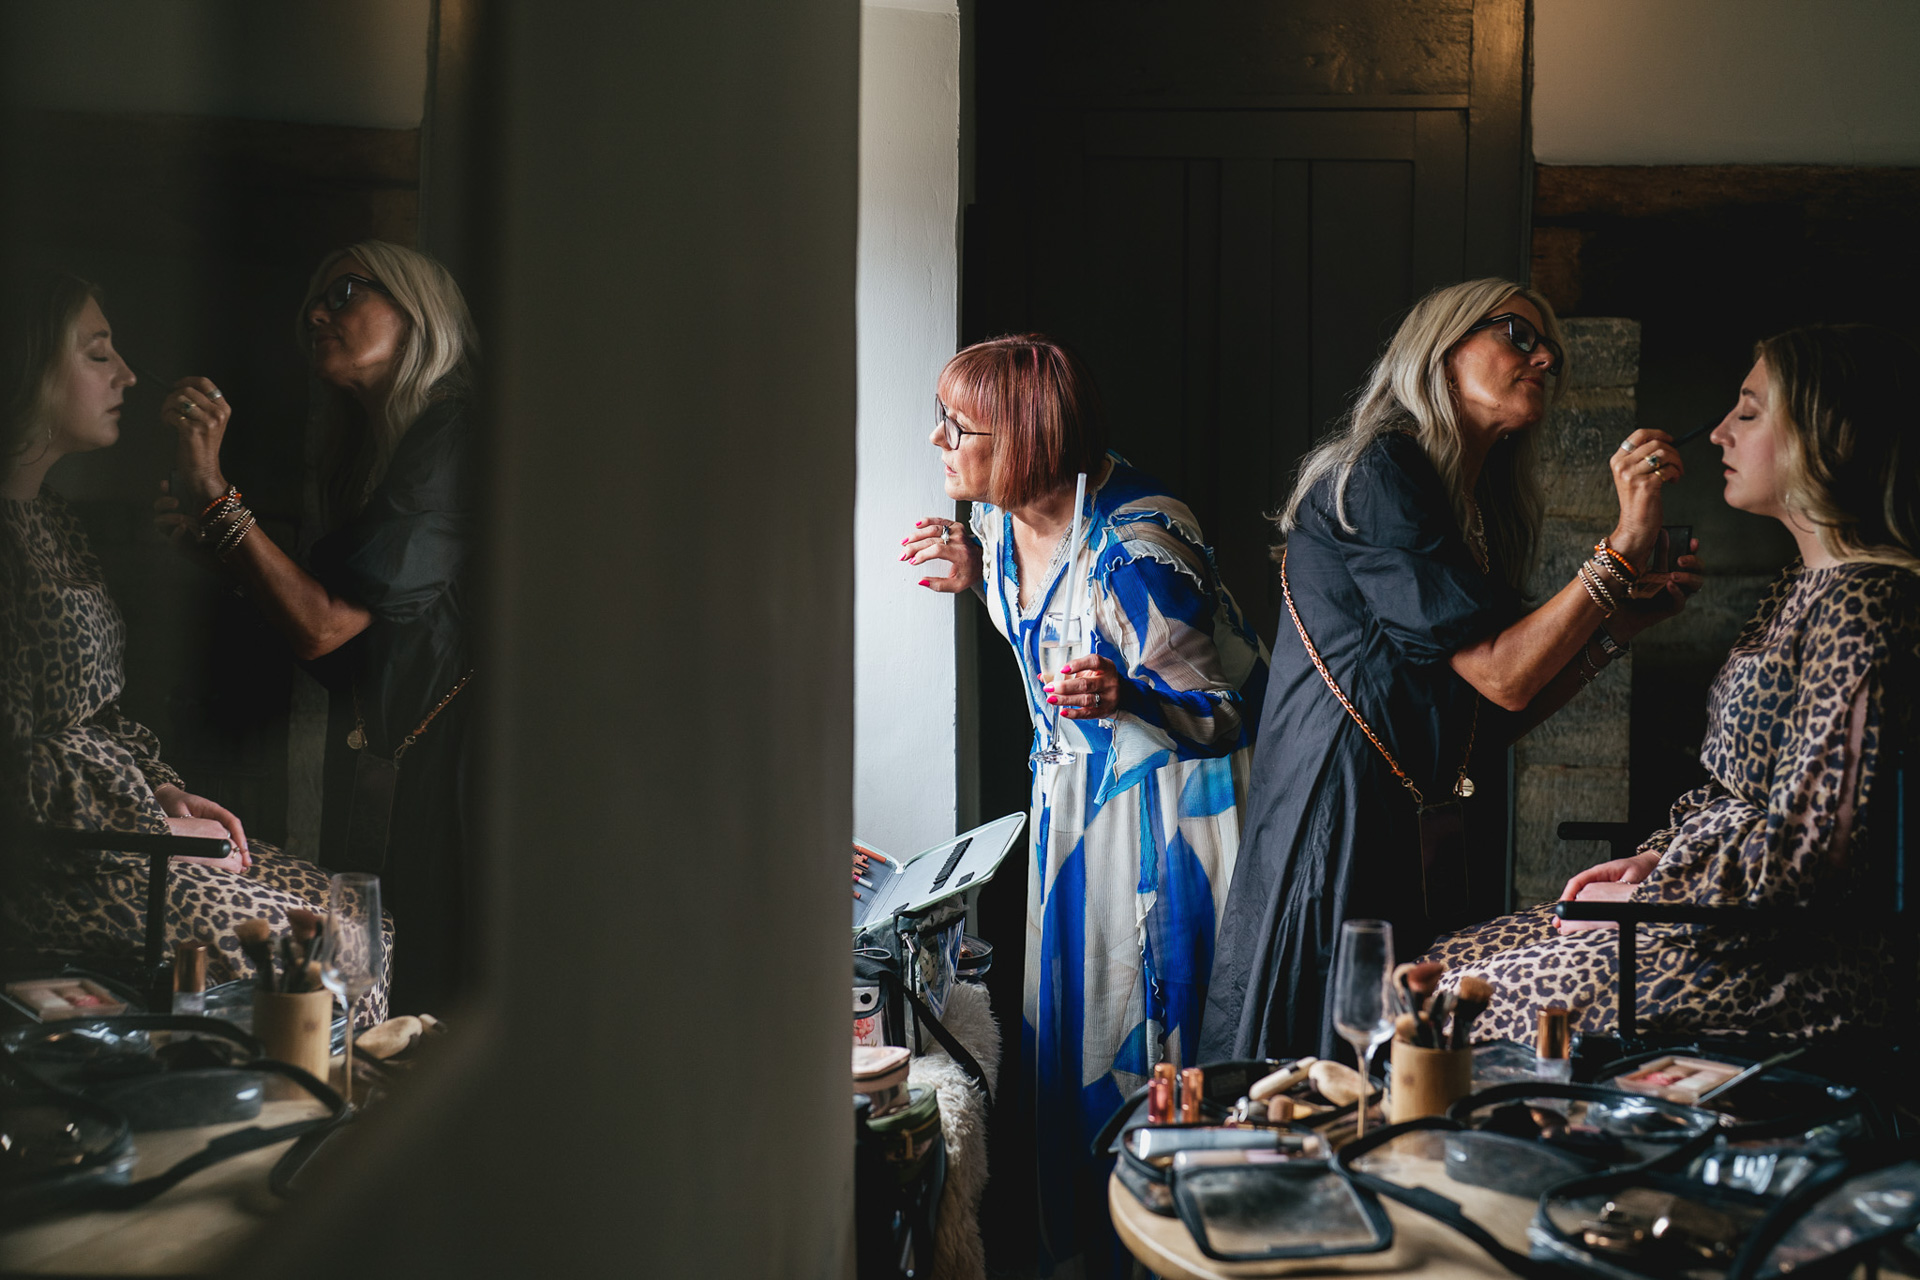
[1574, 767]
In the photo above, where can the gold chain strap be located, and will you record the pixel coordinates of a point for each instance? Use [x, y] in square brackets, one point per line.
[1463, 785]
[358, 738]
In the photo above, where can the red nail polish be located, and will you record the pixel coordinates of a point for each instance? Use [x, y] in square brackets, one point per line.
[924, 581]
[1053, 699]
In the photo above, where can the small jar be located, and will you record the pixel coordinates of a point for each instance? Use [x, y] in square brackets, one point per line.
[1553, 1046]
[190, 979]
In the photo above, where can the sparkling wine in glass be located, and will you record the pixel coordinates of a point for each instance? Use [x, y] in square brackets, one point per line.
[351, 948]
[1060, 636]
[1362, 1009]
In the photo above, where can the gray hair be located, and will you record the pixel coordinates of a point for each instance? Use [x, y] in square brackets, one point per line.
[435, 362]
[1407, 390]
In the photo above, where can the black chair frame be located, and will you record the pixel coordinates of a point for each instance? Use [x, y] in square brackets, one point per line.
[1886, 908]
[159, 850]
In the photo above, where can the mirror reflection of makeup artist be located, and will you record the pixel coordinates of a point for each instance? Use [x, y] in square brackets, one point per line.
[1820, 684]
[1410, 533]
[1133, 838]
[380, 608]
[69, 756]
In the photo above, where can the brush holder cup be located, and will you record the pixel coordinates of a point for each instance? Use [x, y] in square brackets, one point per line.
[1425, 1082]
[296, 1028]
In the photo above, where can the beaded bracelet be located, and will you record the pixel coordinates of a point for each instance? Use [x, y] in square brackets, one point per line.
[1604, 547]
[231, 495]
[1612, 571]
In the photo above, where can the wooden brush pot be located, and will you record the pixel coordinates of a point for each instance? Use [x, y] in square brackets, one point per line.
[297, 1028]
[1425, 1082]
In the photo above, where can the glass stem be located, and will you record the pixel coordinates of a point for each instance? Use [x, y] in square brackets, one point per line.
[346, 1065]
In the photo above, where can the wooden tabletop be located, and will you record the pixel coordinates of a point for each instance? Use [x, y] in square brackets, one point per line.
[190, 1229]
[1164, 1246]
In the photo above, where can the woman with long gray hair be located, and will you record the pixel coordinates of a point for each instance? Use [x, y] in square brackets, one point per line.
[1405, 664]
[380, 610]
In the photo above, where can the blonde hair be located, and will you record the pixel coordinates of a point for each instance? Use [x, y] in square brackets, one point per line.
[1850, 456]
[435, 362]
[1406, 390]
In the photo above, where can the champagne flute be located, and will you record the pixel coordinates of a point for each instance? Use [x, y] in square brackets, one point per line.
[351, 949]
[1362, 1010]
[1059, 644]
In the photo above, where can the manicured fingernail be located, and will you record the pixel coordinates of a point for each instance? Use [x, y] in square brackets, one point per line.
[919, 523]
[925, 581]
[903, 555]
[1053, 699]
[1046, 688]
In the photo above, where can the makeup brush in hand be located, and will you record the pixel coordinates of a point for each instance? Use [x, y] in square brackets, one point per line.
[1476, 994]
[253, 935]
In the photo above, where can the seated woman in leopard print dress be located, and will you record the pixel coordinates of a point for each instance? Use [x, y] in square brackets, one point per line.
[70, 758]
[1818, 685]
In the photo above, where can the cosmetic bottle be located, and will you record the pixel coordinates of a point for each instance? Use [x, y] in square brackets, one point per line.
[190, 979]
[1554, 1046]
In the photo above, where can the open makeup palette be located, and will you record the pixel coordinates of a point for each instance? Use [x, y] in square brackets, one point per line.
[894, 885]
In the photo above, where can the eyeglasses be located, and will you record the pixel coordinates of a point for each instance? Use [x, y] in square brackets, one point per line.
[943, 419]
[1522, 334]
[342, 289]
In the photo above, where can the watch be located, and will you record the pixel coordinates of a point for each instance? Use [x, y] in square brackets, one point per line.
[1609, 646]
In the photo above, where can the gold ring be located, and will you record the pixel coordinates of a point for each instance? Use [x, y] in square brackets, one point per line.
[1655, 461]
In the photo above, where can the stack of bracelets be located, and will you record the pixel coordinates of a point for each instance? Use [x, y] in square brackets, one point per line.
[1608, 577]
[225, 523]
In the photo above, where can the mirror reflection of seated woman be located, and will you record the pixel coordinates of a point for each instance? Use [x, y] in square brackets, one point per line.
[71, 757]
[1818, 686]
[379, 607]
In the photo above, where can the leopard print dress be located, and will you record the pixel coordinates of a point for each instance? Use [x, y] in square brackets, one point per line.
[74, 760]
[1828, 661]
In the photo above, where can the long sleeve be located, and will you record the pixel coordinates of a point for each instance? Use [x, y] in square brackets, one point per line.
[141, 743]
[1159, 613]
[1791, 827]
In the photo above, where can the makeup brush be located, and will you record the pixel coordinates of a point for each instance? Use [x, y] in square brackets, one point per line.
[1475, 994]
[1406, 1027]
[1438, 1008]
[1696, 433]
[253, 935]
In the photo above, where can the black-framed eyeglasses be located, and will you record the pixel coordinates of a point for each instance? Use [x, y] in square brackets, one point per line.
[943, 419]
[1522, 334]
[342, 290]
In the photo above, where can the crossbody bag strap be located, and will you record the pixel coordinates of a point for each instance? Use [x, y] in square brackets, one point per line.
[1287, 593]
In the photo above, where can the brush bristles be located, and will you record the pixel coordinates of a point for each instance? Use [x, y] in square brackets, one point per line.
[304, 923]
[1478, 990]
[252, 932]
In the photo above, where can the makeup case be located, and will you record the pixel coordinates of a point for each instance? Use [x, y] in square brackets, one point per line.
[908, 919]
[76, 1097]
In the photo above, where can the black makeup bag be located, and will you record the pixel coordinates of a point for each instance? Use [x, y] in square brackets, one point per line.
[76, 1096]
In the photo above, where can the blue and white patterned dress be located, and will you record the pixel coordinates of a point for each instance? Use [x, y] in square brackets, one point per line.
[1133, 842]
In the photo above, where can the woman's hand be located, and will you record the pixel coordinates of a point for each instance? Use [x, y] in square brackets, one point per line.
[1608, 882]
[191, 815]
[197, 410]
[938, 539]
[1086, 688]
[1644, 464]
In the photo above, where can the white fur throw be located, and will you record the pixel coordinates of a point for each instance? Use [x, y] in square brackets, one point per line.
[958, 1253]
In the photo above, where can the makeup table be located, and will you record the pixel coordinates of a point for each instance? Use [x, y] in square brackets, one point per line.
[191, 1229]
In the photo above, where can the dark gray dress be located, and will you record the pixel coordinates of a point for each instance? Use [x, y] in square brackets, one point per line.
[1330, 834]
[407, 556]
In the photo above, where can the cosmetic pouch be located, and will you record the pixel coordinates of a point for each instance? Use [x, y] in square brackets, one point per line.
[75, 1098]
[895, 961]
[1656, 1222]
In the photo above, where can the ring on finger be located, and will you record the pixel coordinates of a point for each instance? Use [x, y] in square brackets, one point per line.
[216, 394]
[1655, 461]
[1626, 446]
[946, 534]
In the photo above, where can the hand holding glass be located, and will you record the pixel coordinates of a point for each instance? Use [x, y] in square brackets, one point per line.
[1060, 636]
[1362, 1010]
[351, 950]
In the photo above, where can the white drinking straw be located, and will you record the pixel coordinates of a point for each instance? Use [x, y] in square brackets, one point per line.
[1073, 549]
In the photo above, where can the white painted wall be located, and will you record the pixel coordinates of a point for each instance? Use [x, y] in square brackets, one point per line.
[905, 707]
[1726, 82]
[349, 62]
